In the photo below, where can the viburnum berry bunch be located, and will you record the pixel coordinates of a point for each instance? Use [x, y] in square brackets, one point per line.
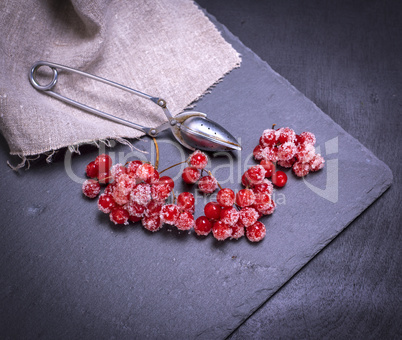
[136, 192]
[289, 150]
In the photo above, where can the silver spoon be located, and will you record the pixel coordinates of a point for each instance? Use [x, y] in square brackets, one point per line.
[191, 129]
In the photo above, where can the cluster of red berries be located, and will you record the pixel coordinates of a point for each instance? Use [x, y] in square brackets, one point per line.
[289, 150]
[235, 215]
[135, 192]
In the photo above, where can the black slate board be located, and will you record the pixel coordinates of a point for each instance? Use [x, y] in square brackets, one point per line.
[66, 273]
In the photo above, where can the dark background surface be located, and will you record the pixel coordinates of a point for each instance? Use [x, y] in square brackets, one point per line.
[346, 56]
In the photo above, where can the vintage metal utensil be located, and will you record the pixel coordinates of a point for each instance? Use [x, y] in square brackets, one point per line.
[191, 129]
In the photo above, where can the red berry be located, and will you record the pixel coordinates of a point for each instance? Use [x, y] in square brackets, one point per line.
[317, 163]
[262, 198]
[266, 209]
[190, 175]
[152, 223]
[286, 151]
[185, 221]
[268, 138]
[225, 197]
[198, 160]
[237, 231]
[229, 215]
[90, 188]
[134, 219]
[117, 170]
[166, 180]
[286, 135]
[255, 174]
[207, 184]
[119, 216]
[279, 179]
[106, 203]
[258, 152]
[133, 166]
[245, 181]
[202, 226]
[305, 153]
[141, 193]
[248, 216]
[185, 202]
[153, 208]
[160, 191]
[145, 172]
[212, 210]
[287, 164]
[170, 213]
[245, 198]
[269, 167]
[264, 187]
[154, 178]
[104, 177]
[134, 209]
[104, 162]
[305, 138]
[301, 169]
[256, 232]
[92, 170]
[109, 189]
[221, 231]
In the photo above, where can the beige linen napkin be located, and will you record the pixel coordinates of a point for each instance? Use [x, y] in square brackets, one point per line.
[166, 48]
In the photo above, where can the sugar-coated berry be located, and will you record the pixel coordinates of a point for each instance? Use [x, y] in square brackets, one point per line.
[134, 209]
[202, 226]
[198, 160]
[117, 170]
[266, 210]
[154, 178]
[268, 138]
[191, 175]
[225, 197]
[166, 180]
[271, 153]
[160, 191]
[110, 187]
[106, 203]
[119, 215]
[145, 172]
[229, 215]
[301, 169]
[245, 198]
[248, 216]
[287, 164]
[221, 231]
[237, 231]
[141, 193]
[305, 153]
[286, 151]
[152, 223]
[153, 208]
[245, 181]
[279, 179]
[212, 210]
[255, 174]
[258, 152]
[91, 188]
[104, 177]
[256, 232]
[317, 163]
[134, 219]
[268, 166]
[185, 221]
[265, 187]
[186, 201]
[207, 184]
[92, 170]
[170, 213]
[262, 198]
[132, 167]
[306, 138]
[286, 135]
[104, 162]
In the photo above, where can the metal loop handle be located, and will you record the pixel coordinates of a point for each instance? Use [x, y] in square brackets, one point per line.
[35, 84]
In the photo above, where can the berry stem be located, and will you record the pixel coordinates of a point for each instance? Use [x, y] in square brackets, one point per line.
[273, 126]
[210, 173]
[157, 153]
[172, 166]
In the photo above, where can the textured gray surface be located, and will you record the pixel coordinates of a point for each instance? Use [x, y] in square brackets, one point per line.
[67, 273]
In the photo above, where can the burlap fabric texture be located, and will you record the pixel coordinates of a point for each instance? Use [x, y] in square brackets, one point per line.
[165, 48]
